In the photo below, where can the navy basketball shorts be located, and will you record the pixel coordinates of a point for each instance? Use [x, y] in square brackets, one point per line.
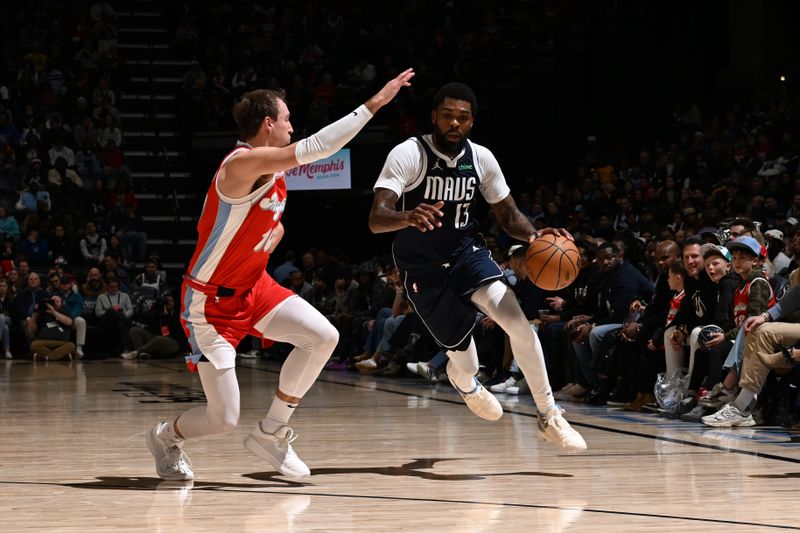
[440, 294]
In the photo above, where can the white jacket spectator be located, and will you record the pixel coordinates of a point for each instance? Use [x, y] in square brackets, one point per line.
[93, 246]
[61, 150]
[119, 300]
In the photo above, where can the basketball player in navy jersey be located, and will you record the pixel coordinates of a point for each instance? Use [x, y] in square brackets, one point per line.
[424, 193]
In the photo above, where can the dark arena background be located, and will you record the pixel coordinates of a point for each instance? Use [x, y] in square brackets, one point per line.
[669, 129]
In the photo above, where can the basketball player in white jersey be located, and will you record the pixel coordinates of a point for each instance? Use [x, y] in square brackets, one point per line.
[227, 293]
[424, 193]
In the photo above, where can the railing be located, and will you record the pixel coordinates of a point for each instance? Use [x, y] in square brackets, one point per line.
[176, 207]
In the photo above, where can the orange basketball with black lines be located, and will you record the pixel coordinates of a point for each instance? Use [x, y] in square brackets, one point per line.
[552, 262]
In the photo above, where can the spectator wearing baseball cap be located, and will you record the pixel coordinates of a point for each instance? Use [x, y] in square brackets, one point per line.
[753, 296]
[745, 244]
[773, 245]
[781, 248]
[515, 250]
[717, 262]
[708, 234]
[709, 250]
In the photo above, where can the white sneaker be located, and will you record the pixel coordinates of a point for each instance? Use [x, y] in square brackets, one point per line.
[133, 354]
[171, 462]
[422, 369]
[277, 450]
[252, 354]
[79, 352]
[481, 402]
[503, 387]
[554, 428]
[520, 387]
[8, 355]
[729, 417]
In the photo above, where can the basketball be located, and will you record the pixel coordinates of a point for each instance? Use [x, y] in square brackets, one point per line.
[552, 262]
[706, 333]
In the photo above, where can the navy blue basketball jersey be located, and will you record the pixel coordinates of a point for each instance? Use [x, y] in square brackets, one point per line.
[456, 183]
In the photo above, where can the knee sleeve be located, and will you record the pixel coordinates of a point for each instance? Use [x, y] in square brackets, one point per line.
[297, 322]
[221, 414]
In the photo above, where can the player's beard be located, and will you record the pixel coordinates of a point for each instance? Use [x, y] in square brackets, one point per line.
[445, 145]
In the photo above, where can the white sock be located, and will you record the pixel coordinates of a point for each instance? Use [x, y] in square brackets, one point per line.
[277, 416]
[462, 367]
[742, 401]
[168, 433]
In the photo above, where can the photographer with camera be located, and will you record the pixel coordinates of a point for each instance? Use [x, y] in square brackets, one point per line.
[50, 330]
[72, 303]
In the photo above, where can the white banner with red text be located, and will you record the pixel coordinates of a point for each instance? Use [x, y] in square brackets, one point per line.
[330, 173]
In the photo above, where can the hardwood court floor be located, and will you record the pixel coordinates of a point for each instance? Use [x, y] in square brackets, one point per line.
[385, 454]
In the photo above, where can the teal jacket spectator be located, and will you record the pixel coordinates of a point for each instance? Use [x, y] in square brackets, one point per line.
[72, 303]
[8, 224]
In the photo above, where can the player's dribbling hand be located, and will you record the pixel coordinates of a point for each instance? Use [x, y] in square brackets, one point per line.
[424, 216]
[390, 90]
[554, 231]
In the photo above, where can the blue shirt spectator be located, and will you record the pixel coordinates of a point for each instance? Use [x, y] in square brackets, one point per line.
[282, 271]
[32, 198]
[35, 248]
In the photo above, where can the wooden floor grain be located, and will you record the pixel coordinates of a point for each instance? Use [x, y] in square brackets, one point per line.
[385, 454]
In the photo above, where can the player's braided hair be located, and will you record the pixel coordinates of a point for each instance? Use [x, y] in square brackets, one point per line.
[250, 110]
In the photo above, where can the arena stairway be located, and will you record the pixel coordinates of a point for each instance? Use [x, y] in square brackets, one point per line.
[152, 139]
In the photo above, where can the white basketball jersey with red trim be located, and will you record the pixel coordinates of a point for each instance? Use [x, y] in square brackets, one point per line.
[234, 235]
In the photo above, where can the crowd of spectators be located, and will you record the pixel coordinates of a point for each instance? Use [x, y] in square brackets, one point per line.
[663, 228]
[330, 57]
[72, 239]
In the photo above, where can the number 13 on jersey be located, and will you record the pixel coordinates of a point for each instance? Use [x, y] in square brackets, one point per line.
[462, 215]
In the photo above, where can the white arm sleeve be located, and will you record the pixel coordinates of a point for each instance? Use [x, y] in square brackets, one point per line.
[332, 138]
